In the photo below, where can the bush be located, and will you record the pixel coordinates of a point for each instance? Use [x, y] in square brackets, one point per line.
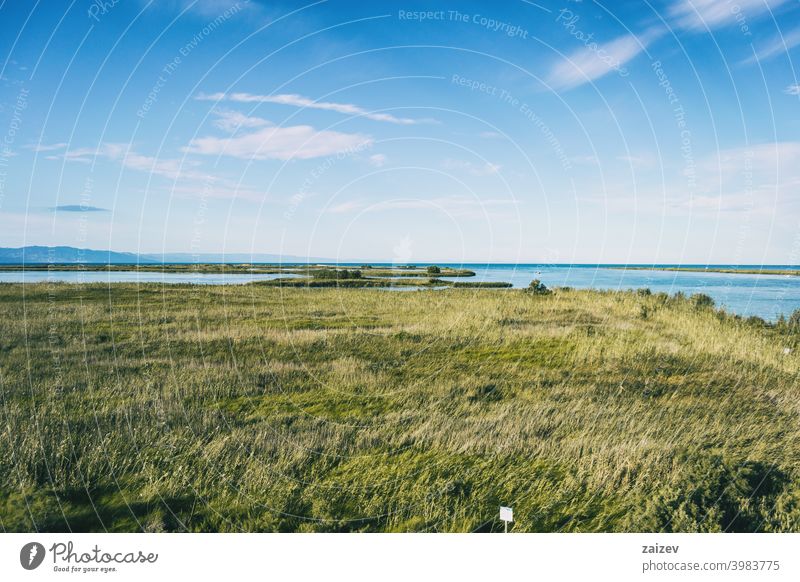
[715, 494]
[434, 270]
[794, 321]
[537, 288]
[702, 301]
[337, 274]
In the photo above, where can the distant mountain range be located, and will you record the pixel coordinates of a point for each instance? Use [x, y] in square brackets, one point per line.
[72, 255]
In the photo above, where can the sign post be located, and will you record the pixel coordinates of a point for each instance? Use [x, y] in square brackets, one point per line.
[506, 514]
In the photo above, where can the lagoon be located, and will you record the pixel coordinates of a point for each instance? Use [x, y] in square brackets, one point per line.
[136, 277]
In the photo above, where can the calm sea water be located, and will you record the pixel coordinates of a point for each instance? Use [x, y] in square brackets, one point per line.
[135, 277]
[766, 296]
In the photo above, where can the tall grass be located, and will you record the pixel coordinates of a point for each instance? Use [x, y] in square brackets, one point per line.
[231, 408]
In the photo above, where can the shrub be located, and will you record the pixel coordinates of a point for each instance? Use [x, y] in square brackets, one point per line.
[337, 274]
[644, 292]
[715, 494]
[434, 270]
[702, 301]
[537, 288]
[794, 321]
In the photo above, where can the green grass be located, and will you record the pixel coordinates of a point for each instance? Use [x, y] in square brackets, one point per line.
[271, 408]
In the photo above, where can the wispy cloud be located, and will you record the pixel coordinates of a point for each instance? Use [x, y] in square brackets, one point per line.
[452, 204]
[758, 180]
[377, 160]
[711, 14]
[165, 167]
[231, 121]
[219, 188]
[755, 178]
[187, 179]
[345, 207]
[485, 169]
[202, 8]
[595, 61]
[42, 147]
[307, 103]
[300, 142]
[792, 90]
[639, 161]
[77, 208]
[774, 157]
[778, 45]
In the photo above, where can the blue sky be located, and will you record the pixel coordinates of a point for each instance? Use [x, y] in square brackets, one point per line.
[405, 131]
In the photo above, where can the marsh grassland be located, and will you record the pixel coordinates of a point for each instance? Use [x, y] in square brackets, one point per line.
[259, 408]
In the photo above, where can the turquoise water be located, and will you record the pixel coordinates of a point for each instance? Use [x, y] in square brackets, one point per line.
[135, 277]
[766, 296]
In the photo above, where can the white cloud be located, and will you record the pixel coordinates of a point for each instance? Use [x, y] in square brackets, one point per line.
[187, 179]
[711, 14]
[757, 178]
[166, 167]
[771, 158]
[223, 189]
[792, 90]
[640, 161]
[451, 204]
[203, 8]
[485, 169]
[778, 45]
[594, 61]
[307, 103]
[299, 142]
[377, 160]
[345, 207]
[231, 121]
[42, 147]
[720, 203]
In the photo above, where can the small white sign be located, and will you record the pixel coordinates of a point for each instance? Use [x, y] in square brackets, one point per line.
[506, 513]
